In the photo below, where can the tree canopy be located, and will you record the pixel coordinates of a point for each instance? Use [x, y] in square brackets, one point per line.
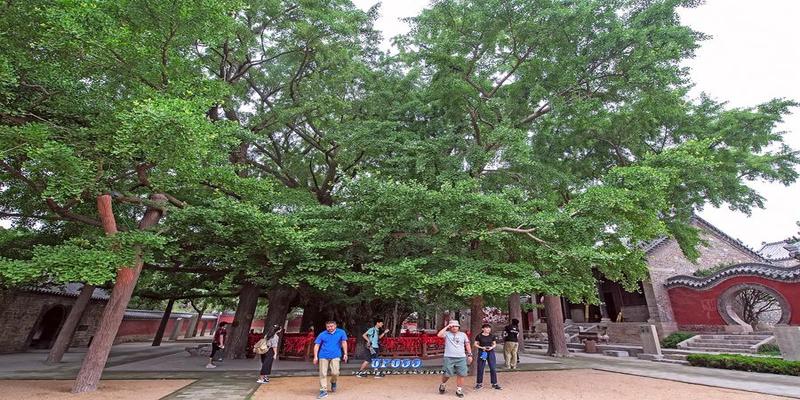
[507, 146]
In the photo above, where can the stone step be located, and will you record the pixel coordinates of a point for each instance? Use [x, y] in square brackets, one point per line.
[671, 361]
[724, 341]
[693, 345]
[722, 350]
[733, 337]
[675, 357]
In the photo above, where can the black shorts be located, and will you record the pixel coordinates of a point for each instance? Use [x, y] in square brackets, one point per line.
[371, 356]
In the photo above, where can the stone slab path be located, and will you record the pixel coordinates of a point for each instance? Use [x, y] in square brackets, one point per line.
[216, 389]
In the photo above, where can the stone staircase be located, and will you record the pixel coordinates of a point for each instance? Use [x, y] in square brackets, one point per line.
[726, 343]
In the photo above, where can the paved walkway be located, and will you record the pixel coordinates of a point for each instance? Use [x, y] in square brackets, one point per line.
[780, 385]
[216, 389]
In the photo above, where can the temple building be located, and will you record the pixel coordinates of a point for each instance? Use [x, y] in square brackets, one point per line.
[718, 251]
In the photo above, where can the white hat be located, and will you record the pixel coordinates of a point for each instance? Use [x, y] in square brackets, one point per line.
[454, 323]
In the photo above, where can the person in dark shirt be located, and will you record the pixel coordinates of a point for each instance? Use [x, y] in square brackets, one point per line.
[511, 345]
[217, 344]
[486, 342]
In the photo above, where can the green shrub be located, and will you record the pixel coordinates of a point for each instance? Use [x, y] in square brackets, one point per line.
[671, 341]
[769, 349]
[770, 365]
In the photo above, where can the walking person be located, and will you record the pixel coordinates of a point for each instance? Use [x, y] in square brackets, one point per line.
[268, 355]
[217, 344]
[372, 336]
[486, 342]
[457, 356]
[329, 348]
[511, 344]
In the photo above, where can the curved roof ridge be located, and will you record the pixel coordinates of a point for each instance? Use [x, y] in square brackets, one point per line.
[768, 271]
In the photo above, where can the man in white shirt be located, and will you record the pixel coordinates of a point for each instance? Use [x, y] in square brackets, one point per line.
[457, 356]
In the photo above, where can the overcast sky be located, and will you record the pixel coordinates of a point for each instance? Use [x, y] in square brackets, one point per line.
[752, 57]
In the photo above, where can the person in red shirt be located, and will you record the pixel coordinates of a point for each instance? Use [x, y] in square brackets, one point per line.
[217, 344]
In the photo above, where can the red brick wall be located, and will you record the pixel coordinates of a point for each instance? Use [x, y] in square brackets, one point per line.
[699, 307]
[141, 329]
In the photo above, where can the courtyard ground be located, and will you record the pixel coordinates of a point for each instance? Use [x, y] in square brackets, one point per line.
[107, 390]
[140, 371]
[578, 384]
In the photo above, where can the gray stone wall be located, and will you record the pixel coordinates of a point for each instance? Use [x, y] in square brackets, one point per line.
[635, 313]
[21, 312]
[667, 260]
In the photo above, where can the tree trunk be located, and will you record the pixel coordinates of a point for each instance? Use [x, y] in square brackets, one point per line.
[475, 322]
[236, 342]
[195, 323]
[64, 338]
[96, 357]
[395, 323]
[515, 310]
[280, 299]
[556, 341]
[163, 325]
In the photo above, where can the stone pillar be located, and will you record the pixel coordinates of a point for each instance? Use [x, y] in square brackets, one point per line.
[534, 310]
[603, 309]
[176, 330]
[660, 311]
[651, 346]
[788, 338]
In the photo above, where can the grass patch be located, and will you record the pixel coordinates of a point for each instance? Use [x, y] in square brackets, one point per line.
[671, 341]
[739, 362]
[770, 349]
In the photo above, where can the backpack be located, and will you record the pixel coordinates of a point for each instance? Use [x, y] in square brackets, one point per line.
[261, 347]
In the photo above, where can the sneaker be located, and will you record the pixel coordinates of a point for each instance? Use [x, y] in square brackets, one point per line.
[441, 388]
[496, 386]
[261, 380]
[379, 375]
[211, 366]
[460, 392]
[333, 387]
[322, 394]
[360, 374]
[478, 386]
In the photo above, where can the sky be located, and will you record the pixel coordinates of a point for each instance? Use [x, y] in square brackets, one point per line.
[751, 57]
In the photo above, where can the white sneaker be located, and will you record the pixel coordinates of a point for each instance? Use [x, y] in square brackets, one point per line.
[211, 366]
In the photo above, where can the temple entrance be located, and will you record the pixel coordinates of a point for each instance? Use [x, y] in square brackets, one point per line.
[45, 332]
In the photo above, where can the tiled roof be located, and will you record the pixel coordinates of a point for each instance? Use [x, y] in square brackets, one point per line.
[732, 241]
[767, 271]
[68, 290]
[776, 251]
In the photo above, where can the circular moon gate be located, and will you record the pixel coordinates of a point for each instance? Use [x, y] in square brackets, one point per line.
[726, 303]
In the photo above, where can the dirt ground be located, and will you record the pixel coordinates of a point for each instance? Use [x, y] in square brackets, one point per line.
[107, 390]
[541, 385]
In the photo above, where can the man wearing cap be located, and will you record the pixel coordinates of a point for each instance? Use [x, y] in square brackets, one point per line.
[457, 356]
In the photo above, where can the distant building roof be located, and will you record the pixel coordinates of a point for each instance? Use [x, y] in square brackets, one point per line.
[68, 290]
[777, 251]
[654, 244]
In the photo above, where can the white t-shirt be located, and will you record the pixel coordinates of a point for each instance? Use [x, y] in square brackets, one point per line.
[454, 344]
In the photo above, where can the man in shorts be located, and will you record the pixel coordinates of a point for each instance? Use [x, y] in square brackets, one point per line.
[457, 356]
[372, 336]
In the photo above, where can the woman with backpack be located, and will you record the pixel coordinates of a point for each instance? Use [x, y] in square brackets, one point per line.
[267, 348]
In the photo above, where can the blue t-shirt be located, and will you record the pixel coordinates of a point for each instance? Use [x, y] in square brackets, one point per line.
[330, 344]
[374, 335]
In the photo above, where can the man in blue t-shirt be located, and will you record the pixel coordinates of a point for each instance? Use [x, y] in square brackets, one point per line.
[329, 347]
